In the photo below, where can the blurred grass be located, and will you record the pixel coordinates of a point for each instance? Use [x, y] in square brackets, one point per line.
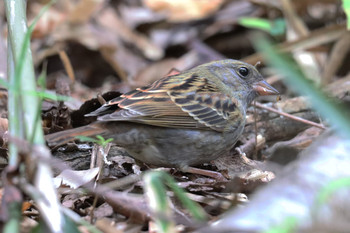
[287, 226]
[13, 225]
[24, 119]
[194, 208]
[155, 190]
[326, 193]
[337, 115]
[159, 201]
[274, 27]
[98, 140]
[346, 7]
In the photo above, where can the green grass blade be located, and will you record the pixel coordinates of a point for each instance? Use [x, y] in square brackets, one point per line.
[195, 209]
[331, 188]
[156, 193]
[287, 226]
[337, 114]
[346, 6]
[274, 27]
[256, 23]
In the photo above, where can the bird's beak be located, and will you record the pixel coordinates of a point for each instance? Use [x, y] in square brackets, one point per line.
[263, 88]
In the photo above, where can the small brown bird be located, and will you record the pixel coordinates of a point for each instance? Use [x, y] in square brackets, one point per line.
[180, 120]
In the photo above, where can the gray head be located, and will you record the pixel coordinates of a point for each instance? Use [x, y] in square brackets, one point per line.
[240, 78]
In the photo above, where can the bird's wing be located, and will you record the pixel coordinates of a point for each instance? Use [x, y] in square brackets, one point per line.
[177, 101]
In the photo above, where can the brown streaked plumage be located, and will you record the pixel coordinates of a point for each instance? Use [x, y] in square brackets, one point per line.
[180, 120]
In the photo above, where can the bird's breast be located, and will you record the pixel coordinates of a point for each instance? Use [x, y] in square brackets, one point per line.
[171, 147]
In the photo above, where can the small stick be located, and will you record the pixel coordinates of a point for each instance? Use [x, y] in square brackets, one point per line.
[100, 99]
[259, 105]
[255, 155]
[67, 65]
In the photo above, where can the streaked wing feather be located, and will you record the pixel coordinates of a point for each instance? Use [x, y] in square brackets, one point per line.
[162, 121]
[205, 104]
[176, 102]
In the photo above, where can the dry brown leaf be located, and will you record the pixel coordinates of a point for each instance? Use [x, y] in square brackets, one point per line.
[162, 68]
[3, 130]
[85, 176]
[121, 226]
[107, 225]
[83, 10]
[47, 22]
[153, 72]
[102, 211]
[184, 10]
[27, 224]
[26, 205]
[3, 125]
[110, 20]
[284, 152]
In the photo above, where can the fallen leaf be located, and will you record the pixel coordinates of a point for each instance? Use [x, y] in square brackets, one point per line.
[184, 10]
[75, 179]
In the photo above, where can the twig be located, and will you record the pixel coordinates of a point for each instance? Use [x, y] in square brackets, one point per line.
[255, 155]
[124, 181]
[336, 58]
[67, 65]
[127, 205]
[259, 105]
[102, 152]
[315, 38]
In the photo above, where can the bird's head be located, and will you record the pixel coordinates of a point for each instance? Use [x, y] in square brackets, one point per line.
[239, 78]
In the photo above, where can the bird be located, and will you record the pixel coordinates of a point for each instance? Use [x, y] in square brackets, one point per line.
[181, 120]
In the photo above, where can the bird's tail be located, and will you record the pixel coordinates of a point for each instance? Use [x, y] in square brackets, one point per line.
[65, 136]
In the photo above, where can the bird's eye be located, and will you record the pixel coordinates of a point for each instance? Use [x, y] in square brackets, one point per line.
[243, 71]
